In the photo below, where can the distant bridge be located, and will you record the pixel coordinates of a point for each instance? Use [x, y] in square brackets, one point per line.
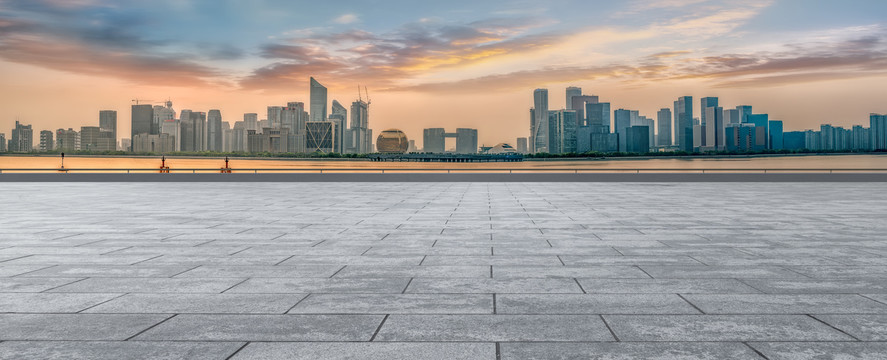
[449, 158]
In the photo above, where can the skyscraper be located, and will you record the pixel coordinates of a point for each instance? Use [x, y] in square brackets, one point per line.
[67, 140]
[360, 134]
[683, 123]
[714, 127]
[433, 140]
[562, 131]
[878, 125]
[540, 121]
[161, 114]
[251, 122]
[706, 103]
[522, 145]
[214, 130]
[318, 101]
[466, 141]
[571, 92]
[663, 117]
[274, 116]
[142, 119]
[108, 122]
[622, 121]
[776, 135]
[339, 116]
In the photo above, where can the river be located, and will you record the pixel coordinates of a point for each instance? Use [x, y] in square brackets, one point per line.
[751, 163]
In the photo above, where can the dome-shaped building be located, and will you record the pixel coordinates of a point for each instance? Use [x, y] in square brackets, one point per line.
[501, 148]
[392, 141]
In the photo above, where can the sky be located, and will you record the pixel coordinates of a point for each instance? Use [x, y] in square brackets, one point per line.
[444, 64]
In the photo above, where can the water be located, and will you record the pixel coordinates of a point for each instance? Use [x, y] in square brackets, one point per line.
[750, 163]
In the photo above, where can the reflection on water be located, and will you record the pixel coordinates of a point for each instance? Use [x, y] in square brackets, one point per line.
[775, 162]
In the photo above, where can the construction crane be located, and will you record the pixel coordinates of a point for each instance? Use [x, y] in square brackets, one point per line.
[137, 101]
[368, 96]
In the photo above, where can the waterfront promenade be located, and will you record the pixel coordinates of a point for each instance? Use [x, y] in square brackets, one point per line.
[422, 270]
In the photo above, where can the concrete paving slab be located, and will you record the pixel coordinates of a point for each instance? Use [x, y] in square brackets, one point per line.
[786, 304]
[621, 351]
[265, 328]
[115, 350]
[592, 304]
[492, 328]
[149, 285]
[722, 328]
[824, 350]
[665, 286]
[198, 304]
[395, 304]
[50, 303]
[488, 286]
[862, 327]
[369, 351]
[319, 285]
[72, 327]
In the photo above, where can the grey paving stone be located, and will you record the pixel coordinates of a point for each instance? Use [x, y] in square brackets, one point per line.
[628, 260]
[605, 272]
[666, 286]
[195, 260]
[50, 303]
[842, 271]
[786, 304]
[824, 350]
[819, 286]
[74, 326]
[33, 285]
[374, 350]
[493, 328]
[70, 259]
[487, 286]
[261, 271]
[265, 328]
[721, 328]
[319, 285]
[863, 327]
[150, 285]
[702, 272]
[493, 260]
[395, 304]
[413, 271]
[354, 260]
[13, 270]
[199, 304]
[108, 271]
[624, 351]
[592, 304]
[115, 350]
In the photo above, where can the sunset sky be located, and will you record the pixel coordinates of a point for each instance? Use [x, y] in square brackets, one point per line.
[445, 64]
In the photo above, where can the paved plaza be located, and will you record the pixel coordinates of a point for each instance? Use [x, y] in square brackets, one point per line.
[443, 270]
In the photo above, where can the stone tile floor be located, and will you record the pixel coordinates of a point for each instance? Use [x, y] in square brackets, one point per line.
[443, 270]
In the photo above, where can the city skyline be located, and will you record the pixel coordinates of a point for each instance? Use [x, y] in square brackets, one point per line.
[802, 64]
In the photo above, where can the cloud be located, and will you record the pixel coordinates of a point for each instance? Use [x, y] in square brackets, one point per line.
[385, 59]
[346, 19]
[58, 35]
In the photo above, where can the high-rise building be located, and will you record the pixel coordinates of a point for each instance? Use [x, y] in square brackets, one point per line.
[186, 138]
[173, 128]
[214, 130]
[251, 121]
[761, 121]
[622, 121]
[683, 123]
[153, 143]
[161, 114]
[522, 145]
[731, 117]
[269, 140]
[878, 126]
[637, 139]
[714, 127]
[706, 103]
[793, 140]
[339, 117]
[108, 122]
[3, 143]
[274, 116]
[571, 92]
[22, 139]
[466, 141]
[744, 112]
[320, 136]
[239, 139]
[563, 131]
[318, 101]
[293, 117]
[67, 140]
[360, 141]
[46, 141]
[433, 140]
[580, 104]
[663, 118]
[142, 120]
[777, 140]
[539, 122]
